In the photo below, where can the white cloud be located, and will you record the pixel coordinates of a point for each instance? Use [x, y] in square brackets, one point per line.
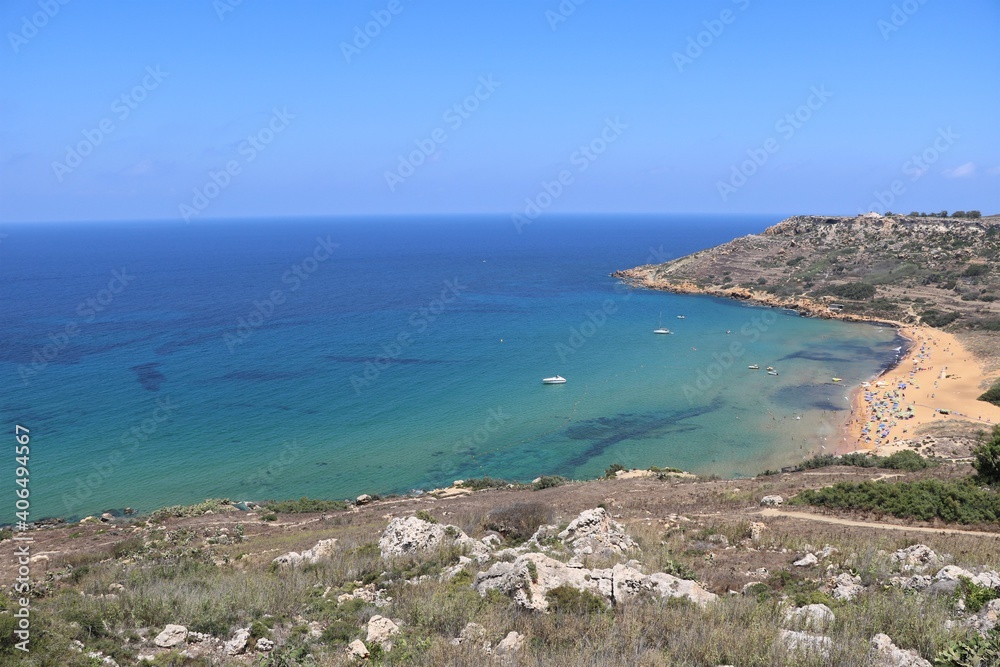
[961, 171]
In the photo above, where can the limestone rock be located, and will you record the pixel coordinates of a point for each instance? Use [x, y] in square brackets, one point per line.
[510, 644]
[322, 549]
[363, 499]
[806, 642]
[238, 644]
[532, 575]
[404, 536]
[816, 617]
[357, 650]
[381, 630]
[846, 587]
[806, 561]
[594, 532]
[916, 557]
[172, 635]
[952, 573]
[472, 633]
[772, 501]
[264, 645]
[887, 654]
[756, 530]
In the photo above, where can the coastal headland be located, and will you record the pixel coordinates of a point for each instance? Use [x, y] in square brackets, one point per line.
[931, 278]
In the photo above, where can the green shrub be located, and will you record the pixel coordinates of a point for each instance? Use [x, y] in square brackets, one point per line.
[974, 651]
[992, 395]
[987, 459]
[935, 318]
[975, 596]
[569, 600]
[424, 515]
[304, 505]
[906, 459]
[854, 291]
[613, 470]
[549, 482]
[952, 501]
[973, 270]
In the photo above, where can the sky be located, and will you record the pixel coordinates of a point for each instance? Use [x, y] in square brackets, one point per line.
[200, 109]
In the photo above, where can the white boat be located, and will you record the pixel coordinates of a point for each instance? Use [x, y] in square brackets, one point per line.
[772, 372]
[661, 329]
[680, 317]
[770, 368]
[558, 379]
[754, 367]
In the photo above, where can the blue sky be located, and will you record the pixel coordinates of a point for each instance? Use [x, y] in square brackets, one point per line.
[164, 110]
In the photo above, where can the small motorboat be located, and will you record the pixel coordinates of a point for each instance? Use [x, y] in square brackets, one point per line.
[680, 317]
[837, 379]
[754, 367]
[770, 368]
[772, 372]
[558, 379]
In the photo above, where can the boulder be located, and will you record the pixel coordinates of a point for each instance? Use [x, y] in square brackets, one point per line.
[532, 575]
[363, 499]
[357, 650]
[594, 532]
[410, 535]
[264, 645]
[510, 644]
[238, 644]
[806, 642]
[806, 561]
[846, 587]
[952, 573]
[322, 549]
[916, 557]
[381, 630]
[816, 617]
[472, 633]
[172, 635]
[887, 654]
[772, 501]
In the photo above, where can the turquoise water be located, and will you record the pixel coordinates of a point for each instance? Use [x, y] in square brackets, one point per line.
[408, 356]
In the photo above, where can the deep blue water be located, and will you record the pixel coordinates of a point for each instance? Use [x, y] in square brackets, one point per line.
[161, 363]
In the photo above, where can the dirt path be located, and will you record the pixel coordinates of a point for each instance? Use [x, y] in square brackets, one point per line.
[864, 524]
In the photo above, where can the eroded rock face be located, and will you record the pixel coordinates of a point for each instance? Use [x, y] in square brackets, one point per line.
[594, 532]
[238, 644]
[381, 630]
[887, 654]
[916, 557]
[411, 535]
[532, 575]
[322, 549]
[172, 635]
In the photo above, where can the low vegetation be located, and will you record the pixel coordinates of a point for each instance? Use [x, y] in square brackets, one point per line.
[992, 395]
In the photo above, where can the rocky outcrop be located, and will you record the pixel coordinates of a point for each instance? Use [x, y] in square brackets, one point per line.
[817, 617]
[887, 654]
[412, 535]
[771, 501]
[172, 635]
[509, 645]
[238, 644]
[846, 587]
[594, 532]
[531, 576]
[916, 557]
[806, 642]
[322, 549]
[381, 630]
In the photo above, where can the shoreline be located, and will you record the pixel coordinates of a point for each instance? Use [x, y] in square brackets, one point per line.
[883, 419]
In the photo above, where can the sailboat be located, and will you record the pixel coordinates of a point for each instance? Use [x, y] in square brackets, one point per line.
[661, 329]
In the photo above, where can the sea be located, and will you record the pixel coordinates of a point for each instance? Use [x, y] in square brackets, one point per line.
[154, 364]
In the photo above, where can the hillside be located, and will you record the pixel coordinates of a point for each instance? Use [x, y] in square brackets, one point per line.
[934, 271]
[649, 569]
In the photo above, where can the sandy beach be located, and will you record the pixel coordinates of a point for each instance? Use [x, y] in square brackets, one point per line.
[937, 379]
